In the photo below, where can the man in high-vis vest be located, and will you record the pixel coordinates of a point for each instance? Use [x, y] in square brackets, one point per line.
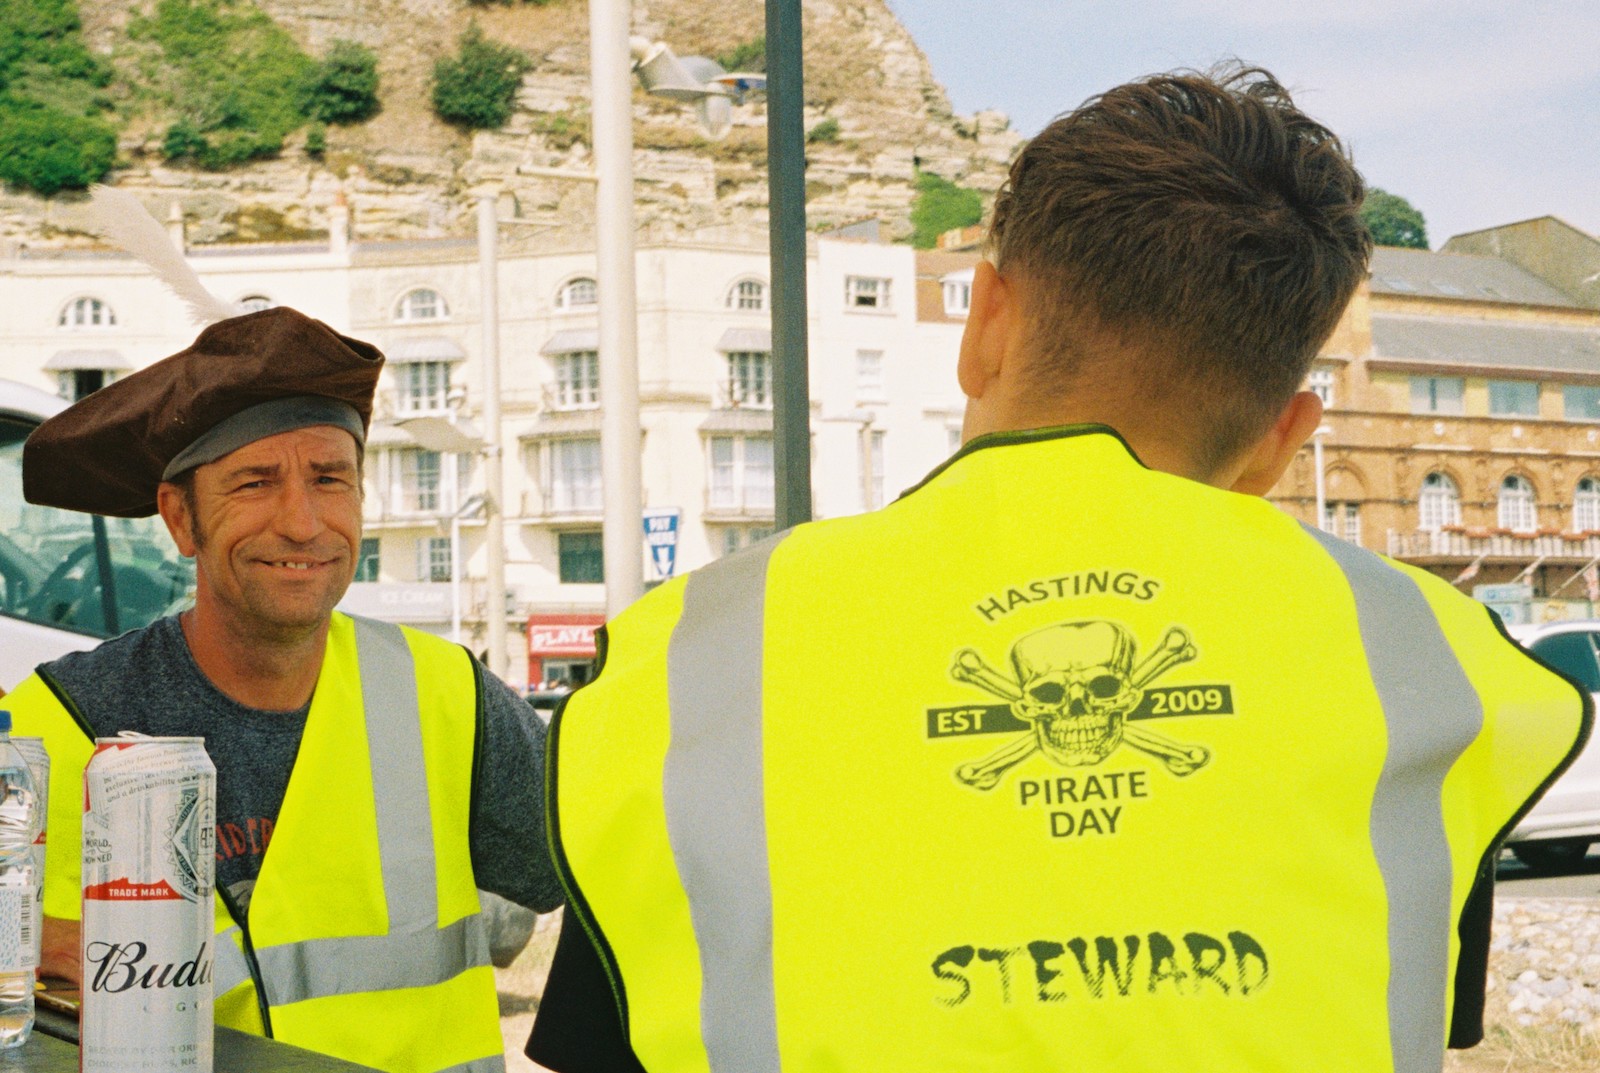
[1080, 755]
[370, 778]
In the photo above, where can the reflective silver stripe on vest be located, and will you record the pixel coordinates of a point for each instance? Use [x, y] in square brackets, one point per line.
[716, 816]
[350, 965]
[229, 969]
[496, 1064]
[1432, 714]
[416, 952]
[399, 775]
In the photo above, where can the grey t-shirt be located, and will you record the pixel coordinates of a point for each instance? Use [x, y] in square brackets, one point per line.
[147, 681]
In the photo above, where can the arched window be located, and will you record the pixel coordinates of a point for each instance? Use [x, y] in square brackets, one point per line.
[1440, 503]
[87, 313]
[1586, 506]
[424, 303]
[577, 294]
[748, 294]
[1517, 510]
[255, 303]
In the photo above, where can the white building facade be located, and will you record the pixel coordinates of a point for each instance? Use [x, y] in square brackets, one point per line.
[885, 405]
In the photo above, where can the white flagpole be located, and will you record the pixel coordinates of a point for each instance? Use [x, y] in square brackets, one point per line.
[1576, 576]
[1530, 569]
[1471, 570]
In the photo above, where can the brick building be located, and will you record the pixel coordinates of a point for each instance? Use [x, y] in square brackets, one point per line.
[1463, 413]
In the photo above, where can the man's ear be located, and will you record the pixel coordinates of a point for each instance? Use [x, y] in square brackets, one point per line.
[991, 320]
[174, 509]
[1271, 455]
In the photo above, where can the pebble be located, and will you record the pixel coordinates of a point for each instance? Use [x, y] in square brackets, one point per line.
[1544, 962]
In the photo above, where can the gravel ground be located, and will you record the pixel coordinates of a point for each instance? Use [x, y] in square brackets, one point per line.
[1545, 962]
[1543, 1009]
[1543, 1012]
[520, 987]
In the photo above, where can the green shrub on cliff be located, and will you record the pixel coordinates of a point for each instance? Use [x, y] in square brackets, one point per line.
[229, 72]
[52, 134]
[48, 150]
[941, 206]
[477, 87]
[342, 87]
[747, 57]
[42, 51]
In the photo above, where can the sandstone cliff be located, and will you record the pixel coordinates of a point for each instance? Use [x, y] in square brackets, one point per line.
[405, 174]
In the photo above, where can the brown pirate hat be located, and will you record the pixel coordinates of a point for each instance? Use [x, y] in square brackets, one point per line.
[243, 379]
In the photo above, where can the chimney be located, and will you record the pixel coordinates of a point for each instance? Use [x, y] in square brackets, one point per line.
[960, 238]
[339, 225]
[175, 228]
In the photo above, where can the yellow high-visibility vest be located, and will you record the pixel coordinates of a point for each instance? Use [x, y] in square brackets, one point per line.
[363, 938]
[1057, 762]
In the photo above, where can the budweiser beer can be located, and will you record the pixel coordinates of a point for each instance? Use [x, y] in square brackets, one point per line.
[32, 750]
[149, 865]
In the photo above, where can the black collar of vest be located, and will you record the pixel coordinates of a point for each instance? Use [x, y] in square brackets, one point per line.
[1014, 437]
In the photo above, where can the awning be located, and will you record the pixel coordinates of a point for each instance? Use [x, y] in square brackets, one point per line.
[735, 339]
[572, 341]
[428, 348]
[411, 603]
[383, 434]
[555, 423]
[65, 360]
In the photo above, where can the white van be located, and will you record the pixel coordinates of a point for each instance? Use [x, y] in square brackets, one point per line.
[70, 580]
[1557, 832]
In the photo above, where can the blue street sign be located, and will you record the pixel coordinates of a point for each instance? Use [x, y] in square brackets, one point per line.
[661, 539]
[1502, 594]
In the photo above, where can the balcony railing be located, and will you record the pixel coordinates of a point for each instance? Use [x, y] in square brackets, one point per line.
[411, 505]
[567, 397]
[571, 506]
[733, 395]
[753, 503]
[1454, 542]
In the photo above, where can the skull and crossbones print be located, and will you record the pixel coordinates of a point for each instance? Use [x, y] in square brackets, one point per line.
[1076, 684]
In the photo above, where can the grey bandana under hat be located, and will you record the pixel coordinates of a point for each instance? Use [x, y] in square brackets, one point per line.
[263, 420]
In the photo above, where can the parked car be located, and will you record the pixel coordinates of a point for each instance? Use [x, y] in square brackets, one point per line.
[546, 701]
[70, 580]
[1557, 833]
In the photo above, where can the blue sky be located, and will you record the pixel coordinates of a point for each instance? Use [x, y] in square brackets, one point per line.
[1479, 113]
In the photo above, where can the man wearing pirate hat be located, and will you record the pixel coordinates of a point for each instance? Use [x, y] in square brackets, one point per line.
[389, 774]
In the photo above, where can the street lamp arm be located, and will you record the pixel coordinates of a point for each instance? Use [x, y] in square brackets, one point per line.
[570, 174]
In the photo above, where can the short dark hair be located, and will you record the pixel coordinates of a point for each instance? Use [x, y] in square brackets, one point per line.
[1200, 220]
[185, 484]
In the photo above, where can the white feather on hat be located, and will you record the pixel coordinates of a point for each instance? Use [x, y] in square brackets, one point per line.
[125, 221]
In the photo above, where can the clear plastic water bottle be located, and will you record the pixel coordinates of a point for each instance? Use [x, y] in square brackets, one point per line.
[19, 886]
